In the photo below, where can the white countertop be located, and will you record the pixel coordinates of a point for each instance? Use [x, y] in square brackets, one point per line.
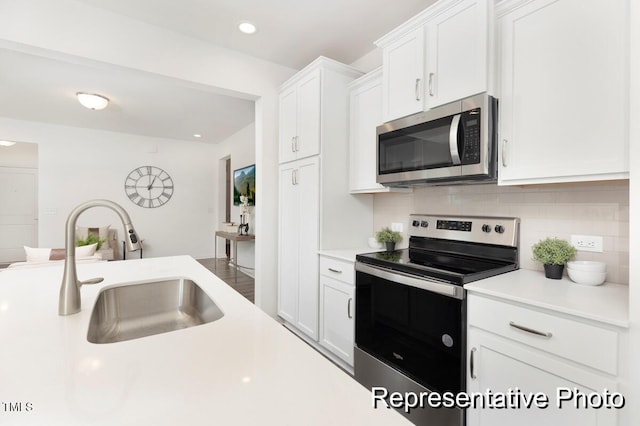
[347, 254]
[607, 303]
[244, 369]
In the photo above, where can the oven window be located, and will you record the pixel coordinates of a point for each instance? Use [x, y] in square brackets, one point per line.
[423, 146]
[415, 331]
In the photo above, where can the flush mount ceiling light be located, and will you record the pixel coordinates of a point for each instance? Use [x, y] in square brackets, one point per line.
[92, 101]
[7, 143]
[247, 27]
[197, 135]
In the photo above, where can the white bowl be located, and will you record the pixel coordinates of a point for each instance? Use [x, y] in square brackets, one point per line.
[586, 277]
[587, 266]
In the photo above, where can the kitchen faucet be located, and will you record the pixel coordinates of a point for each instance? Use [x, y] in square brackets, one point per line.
[69, 302]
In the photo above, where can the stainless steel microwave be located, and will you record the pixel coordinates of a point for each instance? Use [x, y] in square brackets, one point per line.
[453, 143]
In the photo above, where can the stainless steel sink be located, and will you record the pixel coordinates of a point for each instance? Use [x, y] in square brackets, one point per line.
[137, 310]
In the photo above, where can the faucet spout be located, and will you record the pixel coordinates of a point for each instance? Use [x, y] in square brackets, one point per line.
[69, 301]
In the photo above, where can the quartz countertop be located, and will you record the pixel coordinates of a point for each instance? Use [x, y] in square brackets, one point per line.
[244, 369]
[607, 303]
[348, 254]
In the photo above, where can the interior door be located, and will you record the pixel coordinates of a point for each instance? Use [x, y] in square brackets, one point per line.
[18, 212]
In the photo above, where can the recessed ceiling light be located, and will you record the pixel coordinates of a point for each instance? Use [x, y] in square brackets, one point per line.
[7, 143]
[247, 27]
[92, 100]
[197, 135]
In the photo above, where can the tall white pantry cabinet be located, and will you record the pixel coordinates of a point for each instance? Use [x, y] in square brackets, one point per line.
[316, 210]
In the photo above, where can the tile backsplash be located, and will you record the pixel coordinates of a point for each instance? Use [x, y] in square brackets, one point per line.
[600, 209]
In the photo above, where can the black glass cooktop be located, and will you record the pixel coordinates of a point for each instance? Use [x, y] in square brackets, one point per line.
[451, 267]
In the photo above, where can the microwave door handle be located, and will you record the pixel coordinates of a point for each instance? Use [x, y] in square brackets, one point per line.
[453, 140]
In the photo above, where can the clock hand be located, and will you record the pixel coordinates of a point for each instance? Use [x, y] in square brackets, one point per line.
[151, 184]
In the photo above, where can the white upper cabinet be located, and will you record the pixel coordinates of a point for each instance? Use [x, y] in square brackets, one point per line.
[300, 118]
[306, 100]
[456, 61]
[439, 56]
[365, 115]
[563, 91]
[403, 74]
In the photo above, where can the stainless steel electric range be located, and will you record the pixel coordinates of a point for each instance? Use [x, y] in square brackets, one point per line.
[411, 305]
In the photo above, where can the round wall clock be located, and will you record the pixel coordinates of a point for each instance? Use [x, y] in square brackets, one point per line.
[149, 186]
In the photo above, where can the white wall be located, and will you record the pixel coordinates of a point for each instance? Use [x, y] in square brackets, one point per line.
[66, 27]
[22, 154]
[78, 164]
[544, 211]
[240, 148]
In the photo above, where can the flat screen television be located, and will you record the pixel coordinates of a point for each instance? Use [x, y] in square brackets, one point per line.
[244, 183]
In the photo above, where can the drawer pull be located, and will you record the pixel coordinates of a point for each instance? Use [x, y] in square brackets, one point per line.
[337, 271]
[349, 309]
[530, 330]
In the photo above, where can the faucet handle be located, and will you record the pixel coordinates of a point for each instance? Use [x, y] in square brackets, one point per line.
[91, 281]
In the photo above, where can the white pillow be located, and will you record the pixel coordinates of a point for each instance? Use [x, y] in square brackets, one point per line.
[43, 254]
[37, 254]
[84, 251]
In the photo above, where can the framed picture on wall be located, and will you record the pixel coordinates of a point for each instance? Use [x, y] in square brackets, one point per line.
[244, 183]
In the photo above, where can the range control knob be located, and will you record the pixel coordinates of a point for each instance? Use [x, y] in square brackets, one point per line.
[486, 228]
[424, 224]
[499, 229]
[415, 223]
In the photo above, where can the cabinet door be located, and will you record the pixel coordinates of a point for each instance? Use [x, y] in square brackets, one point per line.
[289, 225]
[308, 137]
[288, 124]
[500, 365]
[308, 188]
[366, 114]
[456, 61]
[403, 76]
[337, 306]
[564, 91]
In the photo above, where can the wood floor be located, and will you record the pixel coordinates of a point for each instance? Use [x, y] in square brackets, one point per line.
[220, 267]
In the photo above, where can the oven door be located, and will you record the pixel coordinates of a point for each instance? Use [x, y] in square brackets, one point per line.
[413, 325]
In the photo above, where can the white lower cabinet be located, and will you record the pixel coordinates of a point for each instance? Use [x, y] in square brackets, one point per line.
[337, 307]
[512, 348]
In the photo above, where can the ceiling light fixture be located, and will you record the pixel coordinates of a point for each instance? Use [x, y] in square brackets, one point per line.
[247, 27]
[7, 143]
[92, 101]
[197, 135]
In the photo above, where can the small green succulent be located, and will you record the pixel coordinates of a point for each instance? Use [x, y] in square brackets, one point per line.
[553, 251]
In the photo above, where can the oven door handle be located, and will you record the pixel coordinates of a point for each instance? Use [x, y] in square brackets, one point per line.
[424, 283]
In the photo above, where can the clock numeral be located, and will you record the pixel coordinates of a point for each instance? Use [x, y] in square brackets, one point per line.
[139, 173]
[141, 202]
[148, 170]
[166, 194]
[133, 196]
[130, 187]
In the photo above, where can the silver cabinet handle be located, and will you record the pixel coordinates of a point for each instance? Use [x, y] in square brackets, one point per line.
[417, 89]
[472, 370]
[431, 83]
[530, 330]
[293, 144]
[293, 177]
[296, 178]
[349, 308]
[296, 143]
[337, 271]
[504, 156]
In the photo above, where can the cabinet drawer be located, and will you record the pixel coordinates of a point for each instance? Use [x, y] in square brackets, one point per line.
[342, 270]
[580, 342]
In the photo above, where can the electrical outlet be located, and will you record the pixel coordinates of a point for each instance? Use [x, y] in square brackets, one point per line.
[587, 243]
[396, 227]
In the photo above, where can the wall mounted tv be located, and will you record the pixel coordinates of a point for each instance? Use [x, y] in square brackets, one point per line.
[244, 183]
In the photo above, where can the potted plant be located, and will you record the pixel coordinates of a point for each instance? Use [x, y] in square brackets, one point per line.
[553, 253]
[91, 239]
[389, 238]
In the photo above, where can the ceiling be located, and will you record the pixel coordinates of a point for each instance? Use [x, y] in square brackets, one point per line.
[290, 33]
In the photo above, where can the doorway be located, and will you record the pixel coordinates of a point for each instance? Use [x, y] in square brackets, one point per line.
[19, 195]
